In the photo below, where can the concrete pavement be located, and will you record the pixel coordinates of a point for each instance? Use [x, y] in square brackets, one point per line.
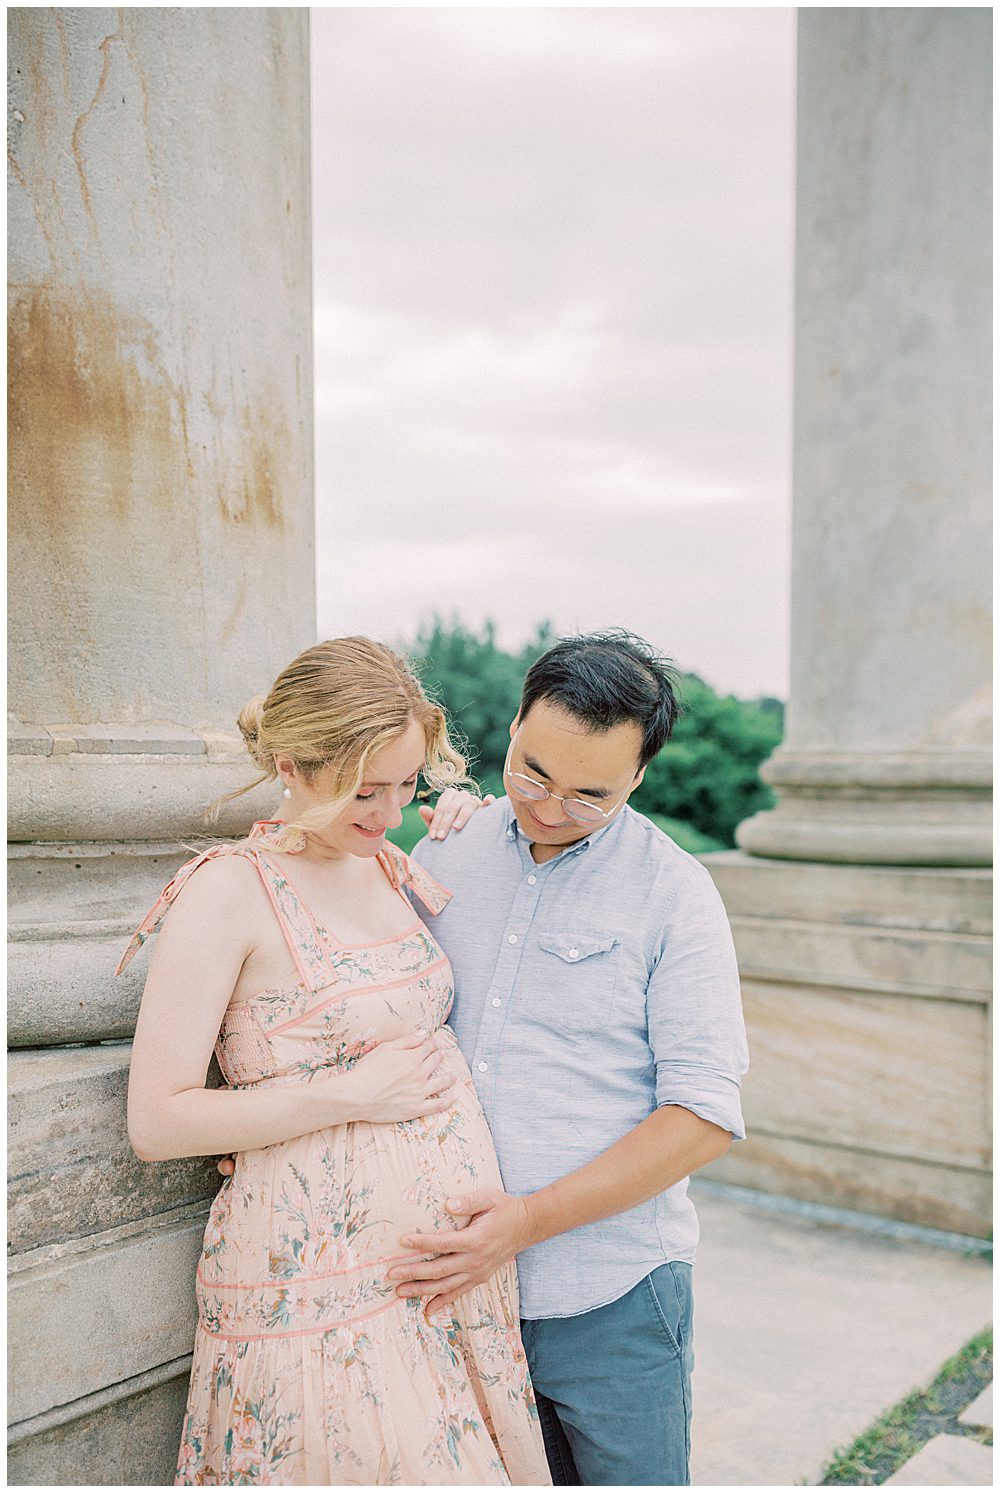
[807, 1330]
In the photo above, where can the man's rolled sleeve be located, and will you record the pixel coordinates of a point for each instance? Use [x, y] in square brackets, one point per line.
[693, 1008]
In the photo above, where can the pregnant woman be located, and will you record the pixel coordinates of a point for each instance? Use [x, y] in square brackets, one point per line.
[297, 955]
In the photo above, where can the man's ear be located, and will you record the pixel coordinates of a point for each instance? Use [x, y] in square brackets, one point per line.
[639, 777]
[514, 725]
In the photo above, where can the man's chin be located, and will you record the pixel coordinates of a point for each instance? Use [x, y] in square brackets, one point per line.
[543, 833]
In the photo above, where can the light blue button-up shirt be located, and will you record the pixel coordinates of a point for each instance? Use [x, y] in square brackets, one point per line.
[590, 990]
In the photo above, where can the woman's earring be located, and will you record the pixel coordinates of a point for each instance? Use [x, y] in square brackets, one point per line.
[287, 793]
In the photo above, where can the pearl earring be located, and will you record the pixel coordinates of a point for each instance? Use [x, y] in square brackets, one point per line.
[288, 793]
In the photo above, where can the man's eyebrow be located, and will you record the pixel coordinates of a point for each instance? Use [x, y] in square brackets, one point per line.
[369, 783]
[590, 792]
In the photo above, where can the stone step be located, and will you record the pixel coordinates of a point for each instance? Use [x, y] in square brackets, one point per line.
[953, 900]
[947, 1462]
[71, 1169]
[945, 966]
[127, 1434]
[64, 989]
[94, 1312]
[893, 1074]
[919, 1192]
[980, 1412]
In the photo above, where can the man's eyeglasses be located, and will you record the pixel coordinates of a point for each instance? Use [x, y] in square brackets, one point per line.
[574, 808]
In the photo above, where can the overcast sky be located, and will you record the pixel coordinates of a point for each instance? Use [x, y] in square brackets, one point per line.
[553, 258]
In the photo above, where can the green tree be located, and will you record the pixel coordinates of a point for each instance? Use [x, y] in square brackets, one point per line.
[479, 685]
[707, 776]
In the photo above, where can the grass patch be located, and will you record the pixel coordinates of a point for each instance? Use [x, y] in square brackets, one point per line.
[900, 1433]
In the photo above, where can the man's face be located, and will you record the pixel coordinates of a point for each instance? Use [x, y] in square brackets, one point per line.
[558, 751]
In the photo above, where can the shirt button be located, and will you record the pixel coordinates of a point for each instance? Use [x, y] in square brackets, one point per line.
[574, 953]
[532, 880]
[482, 1067]
[512, 938]
[495, 1001]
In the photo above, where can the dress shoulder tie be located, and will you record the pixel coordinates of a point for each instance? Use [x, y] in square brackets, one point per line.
[403, 871]
[157, 912]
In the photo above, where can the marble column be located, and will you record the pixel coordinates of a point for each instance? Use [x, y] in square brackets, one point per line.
[864, 955]
[161, 572]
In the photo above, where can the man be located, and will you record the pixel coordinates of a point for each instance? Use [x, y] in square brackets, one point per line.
[597, 1003]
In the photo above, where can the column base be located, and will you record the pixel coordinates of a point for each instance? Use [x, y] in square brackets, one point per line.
[894, 809]
[122, 782]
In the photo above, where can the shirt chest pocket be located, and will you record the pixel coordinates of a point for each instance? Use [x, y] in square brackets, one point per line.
[575, 979]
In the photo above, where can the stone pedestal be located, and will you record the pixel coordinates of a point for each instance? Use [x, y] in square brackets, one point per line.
[867, 997]
[161, 572]
[865, 977]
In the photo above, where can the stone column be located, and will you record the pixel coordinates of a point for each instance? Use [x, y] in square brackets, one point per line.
[161, 572]
[867, 983]
[887, 754]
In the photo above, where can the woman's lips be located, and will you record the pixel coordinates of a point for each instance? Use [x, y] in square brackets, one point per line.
[369, 834]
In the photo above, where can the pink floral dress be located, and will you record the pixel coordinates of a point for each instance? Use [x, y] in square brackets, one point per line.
[308, 1369]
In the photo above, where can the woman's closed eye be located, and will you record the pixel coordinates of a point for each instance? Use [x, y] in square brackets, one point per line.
[409, 785]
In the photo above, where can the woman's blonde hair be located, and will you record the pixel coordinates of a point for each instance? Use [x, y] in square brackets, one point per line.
[332, 707]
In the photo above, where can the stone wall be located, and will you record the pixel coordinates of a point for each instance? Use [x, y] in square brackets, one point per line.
[161, 572]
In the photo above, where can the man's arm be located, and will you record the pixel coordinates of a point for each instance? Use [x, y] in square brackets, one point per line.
[698, 1044]
[669, 1145]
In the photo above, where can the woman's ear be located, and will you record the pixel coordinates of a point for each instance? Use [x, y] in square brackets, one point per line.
[285, 768]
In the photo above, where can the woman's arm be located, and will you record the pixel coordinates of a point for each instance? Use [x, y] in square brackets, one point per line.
[203, 944]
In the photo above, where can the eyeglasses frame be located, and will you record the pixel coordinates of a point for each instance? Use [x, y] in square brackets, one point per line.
[547, 792]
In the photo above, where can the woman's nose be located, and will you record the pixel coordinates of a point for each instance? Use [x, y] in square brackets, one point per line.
[393, 815]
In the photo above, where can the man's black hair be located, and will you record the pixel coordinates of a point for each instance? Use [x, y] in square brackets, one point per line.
[607, 678]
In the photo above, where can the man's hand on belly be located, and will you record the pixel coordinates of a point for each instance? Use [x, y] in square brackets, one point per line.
[498, 1230]
[669, 1144]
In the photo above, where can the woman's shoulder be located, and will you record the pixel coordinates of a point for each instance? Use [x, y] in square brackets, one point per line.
[226, 873]
[226, 888]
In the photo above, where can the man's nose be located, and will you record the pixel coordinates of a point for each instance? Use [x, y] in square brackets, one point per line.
[550, 812]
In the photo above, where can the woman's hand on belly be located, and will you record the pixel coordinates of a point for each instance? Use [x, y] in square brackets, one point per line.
[402, 1079]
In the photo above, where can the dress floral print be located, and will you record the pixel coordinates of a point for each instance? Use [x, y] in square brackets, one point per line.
[308, 1369]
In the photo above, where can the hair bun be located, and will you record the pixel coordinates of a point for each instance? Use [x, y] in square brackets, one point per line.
[249, 722]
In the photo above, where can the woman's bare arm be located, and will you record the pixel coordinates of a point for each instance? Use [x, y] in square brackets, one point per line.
[205, 940]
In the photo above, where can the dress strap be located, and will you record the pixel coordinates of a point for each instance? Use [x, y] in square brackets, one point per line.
[312, 954]
[403, 871]
[311, 958]
[154, 917]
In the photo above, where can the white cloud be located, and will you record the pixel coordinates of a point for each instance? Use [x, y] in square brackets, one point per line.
[553, 302]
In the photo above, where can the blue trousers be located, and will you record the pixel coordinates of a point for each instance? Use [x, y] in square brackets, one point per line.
[613, 1386]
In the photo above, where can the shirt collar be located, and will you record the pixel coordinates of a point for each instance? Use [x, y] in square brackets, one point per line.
[514, 833]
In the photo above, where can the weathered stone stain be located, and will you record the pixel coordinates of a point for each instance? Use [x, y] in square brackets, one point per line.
[253, 494]
[95, 418]
[92, 415]
[87, 114]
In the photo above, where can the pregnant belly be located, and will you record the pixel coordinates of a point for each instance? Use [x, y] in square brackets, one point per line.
[302, 1236]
